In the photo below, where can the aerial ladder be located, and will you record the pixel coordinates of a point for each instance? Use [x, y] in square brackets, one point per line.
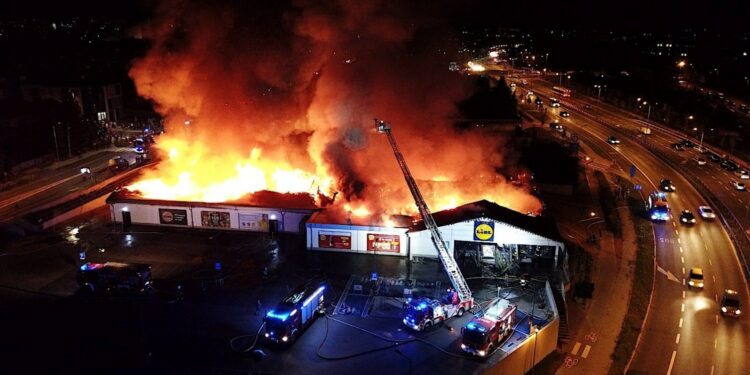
[450, 265]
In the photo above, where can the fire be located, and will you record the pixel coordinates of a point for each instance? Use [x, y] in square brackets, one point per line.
[291, 111]
[192, 173]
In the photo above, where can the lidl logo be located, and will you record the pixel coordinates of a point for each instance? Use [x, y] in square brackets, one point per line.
[484, 230]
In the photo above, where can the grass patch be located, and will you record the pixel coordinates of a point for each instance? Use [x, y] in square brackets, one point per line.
[609, 205]
[642, 288]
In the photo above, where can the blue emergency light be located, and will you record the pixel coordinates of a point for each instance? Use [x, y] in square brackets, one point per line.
[280, 316]
[474, 327]
[317, 293]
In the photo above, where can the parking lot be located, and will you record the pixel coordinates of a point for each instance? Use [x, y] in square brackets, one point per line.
[207, 289]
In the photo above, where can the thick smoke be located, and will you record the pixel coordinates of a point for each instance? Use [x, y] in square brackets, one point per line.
[302, 81]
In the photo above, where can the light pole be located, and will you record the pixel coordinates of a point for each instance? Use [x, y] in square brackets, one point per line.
[599, 95]
[54, 135]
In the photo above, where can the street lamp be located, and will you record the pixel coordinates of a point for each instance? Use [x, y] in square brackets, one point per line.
[599, 95]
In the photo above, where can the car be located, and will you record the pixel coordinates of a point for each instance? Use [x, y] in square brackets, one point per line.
[700, 161]
[555, 104]
[687, 217]
[587, 106]
[678, 146]
[556, 126]
[714, 158]
[739, 186]
[666, 185]
[701, 149]
[687, 143]
[730, 303]
[539, 101]
[729, 165]
[744, 174]
[512, 84]
[564, 114]
[706, 212]
[695, 278]
[613, 140]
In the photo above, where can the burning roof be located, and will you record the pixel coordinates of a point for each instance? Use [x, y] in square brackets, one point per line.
[281, 97]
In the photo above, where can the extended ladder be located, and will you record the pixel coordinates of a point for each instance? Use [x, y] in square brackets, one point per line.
[450, 265]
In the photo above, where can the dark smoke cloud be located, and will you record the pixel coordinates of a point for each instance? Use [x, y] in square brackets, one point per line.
[303, 80]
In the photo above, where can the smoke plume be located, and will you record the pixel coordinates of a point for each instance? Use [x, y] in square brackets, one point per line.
[296, 85]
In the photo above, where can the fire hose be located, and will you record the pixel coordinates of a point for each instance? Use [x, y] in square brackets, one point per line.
[255, 342]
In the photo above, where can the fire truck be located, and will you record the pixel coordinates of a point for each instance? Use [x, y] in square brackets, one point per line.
[114, 277]
[483, 334]
[285, 323]
[461, 299]
[422, 313]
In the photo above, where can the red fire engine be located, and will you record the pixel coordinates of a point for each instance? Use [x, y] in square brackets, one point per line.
[483, 334]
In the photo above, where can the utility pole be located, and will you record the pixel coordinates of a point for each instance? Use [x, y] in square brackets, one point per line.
[70, 152]
[54, 134]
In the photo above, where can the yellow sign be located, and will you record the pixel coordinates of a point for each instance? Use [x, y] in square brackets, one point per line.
[483, 231]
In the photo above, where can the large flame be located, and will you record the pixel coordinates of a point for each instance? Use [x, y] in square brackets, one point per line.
[291, 110]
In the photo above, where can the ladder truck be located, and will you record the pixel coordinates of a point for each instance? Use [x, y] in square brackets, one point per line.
[421, 314]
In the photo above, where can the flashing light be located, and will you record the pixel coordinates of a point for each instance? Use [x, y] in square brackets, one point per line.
[91, 266]
[482, 353]
[474, 327]
[293, 312]
[280, 316]
[317, 293]
[285, 339]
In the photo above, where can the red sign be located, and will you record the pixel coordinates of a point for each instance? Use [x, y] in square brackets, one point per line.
[384, 242]
[335, 241]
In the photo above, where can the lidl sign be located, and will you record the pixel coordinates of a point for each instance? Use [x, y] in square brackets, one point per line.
[484, 230]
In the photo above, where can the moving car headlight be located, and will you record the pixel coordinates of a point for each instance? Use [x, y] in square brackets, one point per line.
[737, 312]
[683, 220]
[723, 309]
[691, 283]
[285, 339]
[266, 334]
[463, 346]
[482, 353]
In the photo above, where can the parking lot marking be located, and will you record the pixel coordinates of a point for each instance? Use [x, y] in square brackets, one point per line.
[680, 325]
[682, 309]
[586, 350]
[677, 340]
[575, 348]
[671, 362]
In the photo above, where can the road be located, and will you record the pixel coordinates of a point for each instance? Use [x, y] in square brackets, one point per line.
[684, 332]
[54, 183]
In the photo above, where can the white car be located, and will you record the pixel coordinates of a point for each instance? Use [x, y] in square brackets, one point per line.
[706, 212]
[740, 186]
[743, 174]
[700, 161]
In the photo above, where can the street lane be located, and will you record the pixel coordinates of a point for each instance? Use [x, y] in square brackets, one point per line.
[699, 324]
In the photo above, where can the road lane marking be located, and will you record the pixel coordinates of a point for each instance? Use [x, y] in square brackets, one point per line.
[674, 224]
[716, 297]
[677, 340]
[575, 348]
[678, 240]
[717, 322]
[681, 320]
[676, 232]
[683, 297]
[680, 249]
[671, 362]
[716, 341]
[682, 259]
[712, 369]
[709, 261]
[683, 270]
[682, 309]
[714, 277]
[586, 351]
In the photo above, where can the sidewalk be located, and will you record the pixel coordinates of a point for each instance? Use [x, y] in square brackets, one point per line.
[596, 324]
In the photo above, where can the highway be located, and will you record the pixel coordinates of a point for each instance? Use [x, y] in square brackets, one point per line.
[53, 184]
[684, 332]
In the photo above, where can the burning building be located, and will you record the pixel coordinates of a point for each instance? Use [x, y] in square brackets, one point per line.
[281, 98]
